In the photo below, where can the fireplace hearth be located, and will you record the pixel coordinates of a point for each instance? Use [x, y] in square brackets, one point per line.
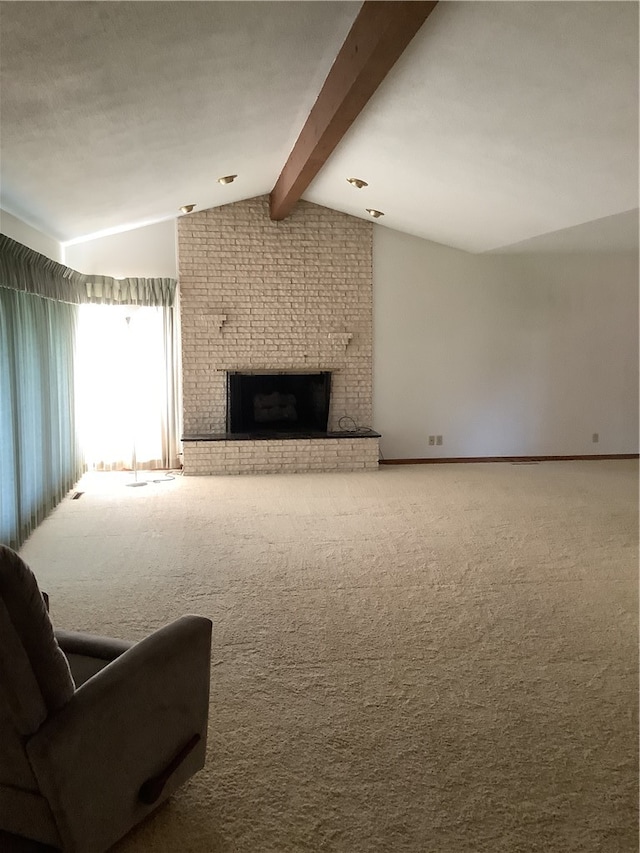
[278, 404]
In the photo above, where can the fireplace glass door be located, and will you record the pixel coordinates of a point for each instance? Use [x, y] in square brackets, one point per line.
[278, 403]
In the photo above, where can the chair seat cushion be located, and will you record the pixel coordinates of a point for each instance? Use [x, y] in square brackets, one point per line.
[89, 653]
[84, 667]
[27, 814]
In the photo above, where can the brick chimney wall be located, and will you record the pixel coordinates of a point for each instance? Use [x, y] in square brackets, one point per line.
[263, 295]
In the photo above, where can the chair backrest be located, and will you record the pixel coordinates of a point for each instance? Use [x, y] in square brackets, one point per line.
[35, 679]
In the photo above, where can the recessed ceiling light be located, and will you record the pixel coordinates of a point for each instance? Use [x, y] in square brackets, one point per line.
[357, 182]
[228, 179]
[375, 213]
[187, 208]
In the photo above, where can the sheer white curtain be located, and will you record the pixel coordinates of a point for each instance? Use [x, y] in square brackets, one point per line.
[126, 386]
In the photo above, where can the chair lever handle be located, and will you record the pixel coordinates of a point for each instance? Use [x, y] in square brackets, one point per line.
[151, 790]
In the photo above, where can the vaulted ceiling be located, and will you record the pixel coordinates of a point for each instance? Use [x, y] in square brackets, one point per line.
[503, 123]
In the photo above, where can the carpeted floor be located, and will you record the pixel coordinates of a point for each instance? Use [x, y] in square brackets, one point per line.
[423, 659]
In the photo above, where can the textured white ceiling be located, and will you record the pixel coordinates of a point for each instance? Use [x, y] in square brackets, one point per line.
[501, 122]
[116, 113]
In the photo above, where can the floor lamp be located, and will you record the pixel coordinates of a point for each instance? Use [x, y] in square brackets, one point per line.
[134, 458]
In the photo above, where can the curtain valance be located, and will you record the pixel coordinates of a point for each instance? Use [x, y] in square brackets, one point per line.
[21, 268]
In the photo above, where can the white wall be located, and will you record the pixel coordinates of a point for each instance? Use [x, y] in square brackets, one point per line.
[148, 252]
[29, 236]
[503, 355]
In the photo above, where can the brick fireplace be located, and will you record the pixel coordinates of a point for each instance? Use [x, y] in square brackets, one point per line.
[262, 296]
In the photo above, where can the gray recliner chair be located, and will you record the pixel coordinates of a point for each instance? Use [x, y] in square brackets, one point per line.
[95, 733]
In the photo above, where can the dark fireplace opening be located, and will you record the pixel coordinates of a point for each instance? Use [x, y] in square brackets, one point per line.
[278, 403]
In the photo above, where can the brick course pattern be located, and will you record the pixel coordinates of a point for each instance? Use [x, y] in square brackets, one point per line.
[285, 456]
[263, 295]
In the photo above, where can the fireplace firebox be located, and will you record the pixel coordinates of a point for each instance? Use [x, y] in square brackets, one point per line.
[278, 403]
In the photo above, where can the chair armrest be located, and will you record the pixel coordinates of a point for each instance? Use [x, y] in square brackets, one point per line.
[122, 727]
[91, 645]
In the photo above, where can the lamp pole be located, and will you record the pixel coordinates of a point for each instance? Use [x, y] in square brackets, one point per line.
[134, 458]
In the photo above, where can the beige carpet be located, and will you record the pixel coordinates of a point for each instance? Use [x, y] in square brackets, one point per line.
[429, 659]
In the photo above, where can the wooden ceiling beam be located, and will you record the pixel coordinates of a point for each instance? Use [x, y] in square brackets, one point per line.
[379, 35]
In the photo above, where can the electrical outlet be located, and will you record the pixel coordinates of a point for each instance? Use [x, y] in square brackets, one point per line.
[438, 439]
[432, 440]
[595, 438]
